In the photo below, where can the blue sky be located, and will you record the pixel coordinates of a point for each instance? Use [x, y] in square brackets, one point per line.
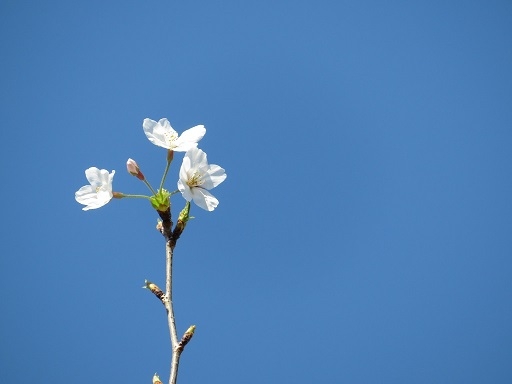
[364, 230]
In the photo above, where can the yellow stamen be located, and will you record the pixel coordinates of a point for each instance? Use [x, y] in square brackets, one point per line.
[195, 180]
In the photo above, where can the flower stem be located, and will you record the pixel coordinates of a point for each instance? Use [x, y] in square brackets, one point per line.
[165, 173]
[149, 186]
[136, 196]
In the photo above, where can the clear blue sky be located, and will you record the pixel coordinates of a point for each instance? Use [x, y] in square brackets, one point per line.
[364, 232]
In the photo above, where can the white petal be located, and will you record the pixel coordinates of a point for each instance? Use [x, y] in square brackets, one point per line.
[185, 190]
[85, 194]
[185, 169]
[189, 138]
[93, 176]
[197, 158]
[181, 186]
[105, 177]
[104, 196]
[93, 205]
[214, 176]
[149, 125]
[193, 134]
[111, 178]
[90, 200]
[204, 199]
[184, 146]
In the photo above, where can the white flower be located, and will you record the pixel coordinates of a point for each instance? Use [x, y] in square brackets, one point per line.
[163, 135]
[99, 192]
[196, 177]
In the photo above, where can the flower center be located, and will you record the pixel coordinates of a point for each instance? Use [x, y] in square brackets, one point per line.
[170, 138]
[195, 180]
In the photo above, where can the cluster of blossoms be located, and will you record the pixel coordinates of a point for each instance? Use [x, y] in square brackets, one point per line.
[196, 176]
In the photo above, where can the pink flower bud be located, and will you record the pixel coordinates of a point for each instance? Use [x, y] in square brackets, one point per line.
[133, 169]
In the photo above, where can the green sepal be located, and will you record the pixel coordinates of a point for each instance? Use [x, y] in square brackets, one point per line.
[161, 201]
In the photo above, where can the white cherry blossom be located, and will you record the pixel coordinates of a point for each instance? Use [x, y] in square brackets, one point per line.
[99, 192]
[162, 134]
[197, 177]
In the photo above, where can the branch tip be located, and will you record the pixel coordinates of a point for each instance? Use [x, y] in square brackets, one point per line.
[154, 289]
[156, 379]
[187, 336]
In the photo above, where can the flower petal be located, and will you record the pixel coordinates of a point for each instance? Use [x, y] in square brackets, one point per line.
[185, 190]
[88, 196]
[189, 138]
[214, 176]
[94, 176]
[197, 158]
[185, 169]
[204, 199]
[84, 194]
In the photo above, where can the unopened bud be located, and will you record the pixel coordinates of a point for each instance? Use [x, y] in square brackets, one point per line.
[185, 214]
[156, 379]
[183, 218]
[186, 337]
[133, 169]
[154, 288]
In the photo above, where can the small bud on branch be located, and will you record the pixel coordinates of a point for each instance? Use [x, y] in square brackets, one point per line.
[156, 379]
[154, 288]
[183, 218]
[186, 337]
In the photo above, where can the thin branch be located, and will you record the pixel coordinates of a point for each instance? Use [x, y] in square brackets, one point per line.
[175, 363]
[168, 295]
[171, 236]
[178, 349]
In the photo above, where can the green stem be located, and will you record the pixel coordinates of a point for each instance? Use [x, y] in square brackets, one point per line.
[165, 174]
[137, 196]
[149, 186]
